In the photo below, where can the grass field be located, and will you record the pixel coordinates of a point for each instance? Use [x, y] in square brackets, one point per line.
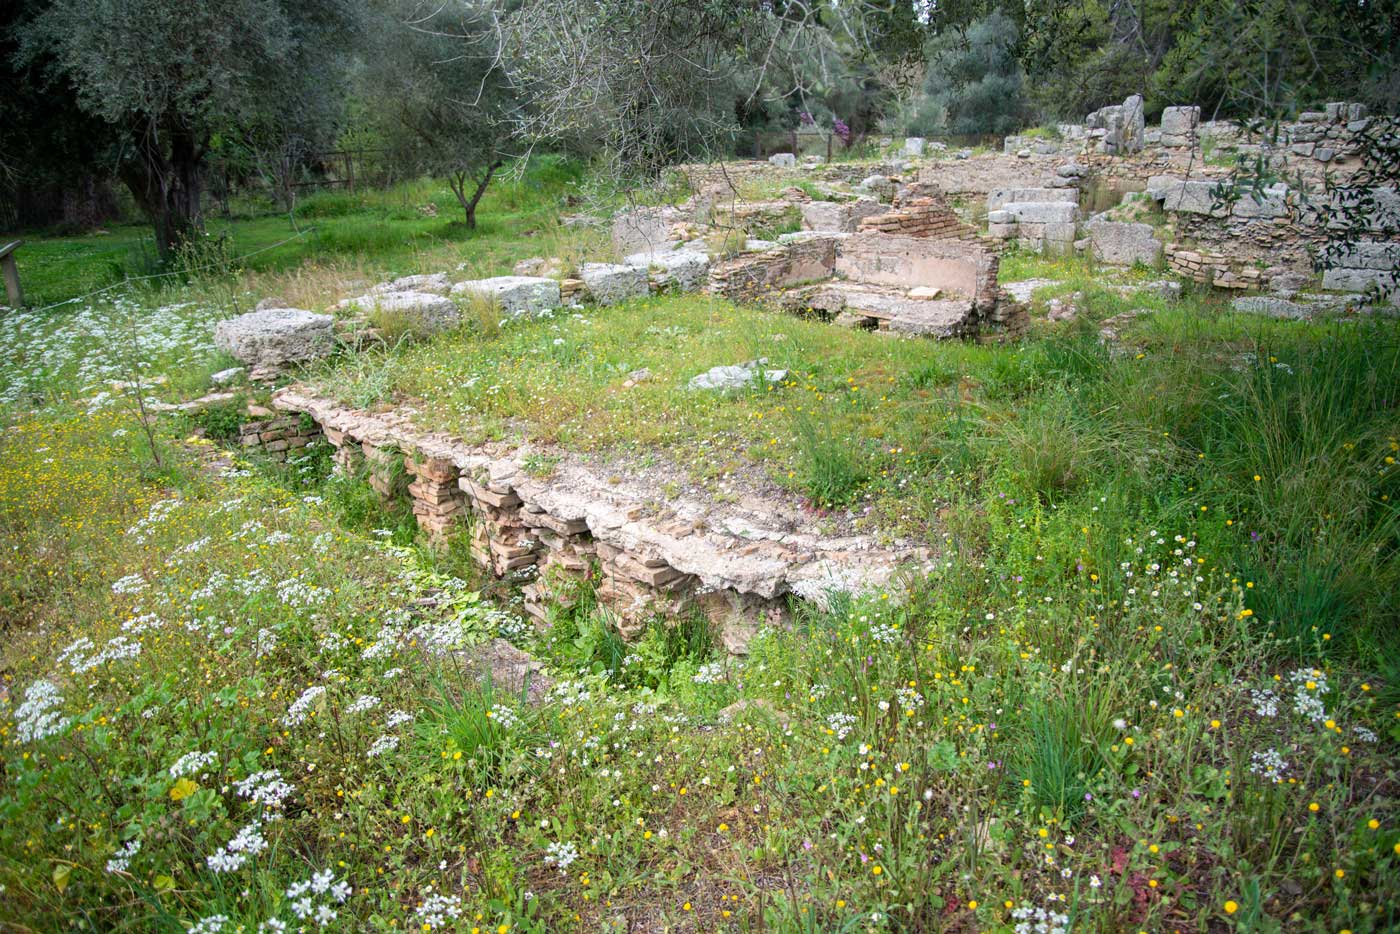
[1150, 684]
[381, 233]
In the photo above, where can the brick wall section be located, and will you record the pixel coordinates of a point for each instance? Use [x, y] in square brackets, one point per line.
[279, 436]
[922, 217]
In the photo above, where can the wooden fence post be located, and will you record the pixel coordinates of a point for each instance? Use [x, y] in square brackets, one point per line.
[13, 293]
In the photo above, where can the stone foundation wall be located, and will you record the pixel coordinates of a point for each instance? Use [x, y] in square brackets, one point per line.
[279, 436]
[757, 277]
[551, 533]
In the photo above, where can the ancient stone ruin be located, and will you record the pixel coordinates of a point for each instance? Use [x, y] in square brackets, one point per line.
[738, 563]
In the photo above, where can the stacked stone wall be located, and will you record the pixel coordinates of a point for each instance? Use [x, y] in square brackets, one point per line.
[552, 533]
[279, 436]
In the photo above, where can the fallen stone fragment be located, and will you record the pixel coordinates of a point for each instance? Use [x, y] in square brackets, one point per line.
[276, 337]
[736, 377]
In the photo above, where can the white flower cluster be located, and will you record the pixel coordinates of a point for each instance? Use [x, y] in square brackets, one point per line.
[143, 623]
[321, 885]
[398, 718]
[132, 583]
[300, 707]
[1032, 919]
[362, 703]
[301, 595]
[76, 656]
[386, 743]
[709, 673]
[1309, 684]
[160, 509]
[511, 627]
[909, 699]
[192, 763]
[38, 717]
[841, 724]
[266, 643]
[503, 715]
[570, 693]
[884, 633]
[266, 788]
[248, 843]
[210, 925]
[561, 854]
[443, 637]
[1265, 703]
[437, 910]
[121, 859]
[1269, 764]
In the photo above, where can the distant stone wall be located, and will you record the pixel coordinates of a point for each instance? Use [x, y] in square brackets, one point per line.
[1253, 241]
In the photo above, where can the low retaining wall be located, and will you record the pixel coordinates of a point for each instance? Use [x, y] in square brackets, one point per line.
[552, 532]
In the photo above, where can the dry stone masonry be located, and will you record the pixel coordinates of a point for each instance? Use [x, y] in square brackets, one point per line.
[738, 563]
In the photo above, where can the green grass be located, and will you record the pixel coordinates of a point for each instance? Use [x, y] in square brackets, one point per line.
[1071, 707]
[406, 229]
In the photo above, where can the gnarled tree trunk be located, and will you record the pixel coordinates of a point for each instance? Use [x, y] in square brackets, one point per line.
[167, 182]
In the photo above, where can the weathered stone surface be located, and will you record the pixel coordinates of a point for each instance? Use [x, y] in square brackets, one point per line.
[540, 267]
[686, 270]
[881, 187]
[1361, 280]
[429, 312]
[783, 160]
[644, 228]
[435, 282]
[611, 283]
[1190, 198]
[914, 146]
[1270, 203]
[839, 216]
[1043, 212]
[276, 337]
[1000, 197]
[1179, 125]
[228, 377]
[515, 295]
[736, 377]
[1300, 309]
[1124, 244]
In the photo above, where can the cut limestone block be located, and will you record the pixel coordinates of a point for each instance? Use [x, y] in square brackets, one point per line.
[515, 295]
[1001, 197]
[611, 283]
[1124, 244]
[276, 337]
[430, 312]
[686, 270]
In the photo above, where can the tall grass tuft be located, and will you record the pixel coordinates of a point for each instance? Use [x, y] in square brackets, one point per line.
[832, 467]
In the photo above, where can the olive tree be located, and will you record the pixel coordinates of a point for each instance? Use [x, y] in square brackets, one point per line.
[174, 76]
[437, 91]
